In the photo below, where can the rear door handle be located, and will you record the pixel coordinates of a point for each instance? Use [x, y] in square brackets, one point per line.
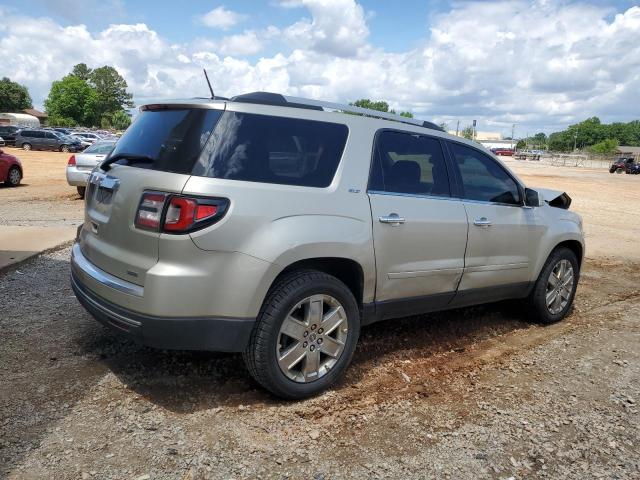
[393, 219]
[482, 222]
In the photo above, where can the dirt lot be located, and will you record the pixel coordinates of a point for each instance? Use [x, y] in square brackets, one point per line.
[473, 393]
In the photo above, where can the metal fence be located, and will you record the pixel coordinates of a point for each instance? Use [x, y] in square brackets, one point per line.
[585, 160]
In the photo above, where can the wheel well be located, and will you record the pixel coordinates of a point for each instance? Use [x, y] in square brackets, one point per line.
[347, 271]
[575, 247]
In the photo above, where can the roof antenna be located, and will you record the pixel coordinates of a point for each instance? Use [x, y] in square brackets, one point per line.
[209, 83]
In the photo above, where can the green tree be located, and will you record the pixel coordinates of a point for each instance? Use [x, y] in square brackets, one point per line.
[81, 71]
[72, 99]
[58, 121]
[380, 106]
[13, 96]
[605, 147]
[120, 120]
[522, 144]
[467, 132]
[111, 91]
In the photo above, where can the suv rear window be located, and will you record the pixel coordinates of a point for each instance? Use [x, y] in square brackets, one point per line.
[235, 146]
[173, 138]
[269, 149]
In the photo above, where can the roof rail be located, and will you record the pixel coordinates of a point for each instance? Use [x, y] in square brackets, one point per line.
[267, 98]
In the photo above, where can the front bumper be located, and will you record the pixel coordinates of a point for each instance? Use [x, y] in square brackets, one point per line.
[221, 334]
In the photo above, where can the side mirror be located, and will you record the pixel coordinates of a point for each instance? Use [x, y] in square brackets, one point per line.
[531, 198]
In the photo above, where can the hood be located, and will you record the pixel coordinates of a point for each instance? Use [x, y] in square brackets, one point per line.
[555, 198]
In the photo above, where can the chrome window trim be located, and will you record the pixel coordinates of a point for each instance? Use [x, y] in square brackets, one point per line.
[413, 195]
[438, 197]
[80, 262]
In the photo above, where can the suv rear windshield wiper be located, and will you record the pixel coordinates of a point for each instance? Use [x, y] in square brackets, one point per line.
[132, 157]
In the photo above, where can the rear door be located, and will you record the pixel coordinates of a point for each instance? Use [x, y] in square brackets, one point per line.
[503, 233]
[419, 230]
[172, 139]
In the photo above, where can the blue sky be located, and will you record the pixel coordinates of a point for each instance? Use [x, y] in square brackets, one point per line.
[539, 63]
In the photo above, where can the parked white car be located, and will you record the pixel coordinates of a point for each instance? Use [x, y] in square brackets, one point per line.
[80, 165]
[87, 137]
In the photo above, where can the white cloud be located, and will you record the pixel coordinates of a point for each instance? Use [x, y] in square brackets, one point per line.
[337, 27]
[221, 18]
[538, 64]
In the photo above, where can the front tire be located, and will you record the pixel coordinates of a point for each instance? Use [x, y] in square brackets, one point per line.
[81, 191]
[26, 146]
[13, 177]
[65, 148]
[305, 335]
[553, 293]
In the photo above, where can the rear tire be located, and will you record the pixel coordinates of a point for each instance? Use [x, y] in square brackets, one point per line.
[81, 191]
[13, 177]
[620, 170]
[553, 293]
[292, 296]
[65, 148]
[26, 146]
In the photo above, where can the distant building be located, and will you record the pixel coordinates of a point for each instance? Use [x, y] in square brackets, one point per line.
[490, 139]
[627, 151]
[41, 116]
[19, 120]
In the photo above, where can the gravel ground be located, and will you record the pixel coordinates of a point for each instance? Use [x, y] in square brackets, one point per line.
[473, 393]
[466, 394]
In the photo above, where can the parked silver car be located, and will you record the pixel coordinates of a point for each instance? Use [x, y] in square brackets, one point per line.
[80, 165]
[267, 225]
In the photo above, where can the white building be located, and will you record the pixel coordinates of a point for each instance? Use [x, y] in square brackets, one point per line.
[19, 119]
[491, 139]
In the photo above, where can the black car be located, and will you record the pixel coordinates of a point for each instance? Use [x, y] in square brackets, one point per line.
[36, 139]
[8, 132]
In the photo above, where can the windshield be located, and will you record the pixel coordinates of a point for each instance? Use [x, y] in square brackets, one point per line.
[174, 138]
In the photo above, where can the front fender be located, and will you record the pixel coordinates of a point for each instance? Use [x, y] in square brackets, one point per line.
[562, 230]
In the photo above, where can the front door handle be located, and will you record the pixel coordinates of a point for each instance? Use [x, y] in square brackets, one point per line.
[482, 222]
[393, 219]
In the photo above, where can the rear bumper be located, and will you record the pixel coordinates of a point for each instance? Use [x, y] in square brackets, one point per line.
[76, 177]
[222, 334]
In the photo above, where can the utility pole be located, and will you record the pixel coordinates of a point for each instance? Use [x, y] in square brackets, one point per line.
[457, 127]
[513, 130]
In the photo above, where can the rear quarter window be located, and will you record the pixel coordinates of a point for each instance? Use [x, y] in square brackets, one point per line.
[270, 149]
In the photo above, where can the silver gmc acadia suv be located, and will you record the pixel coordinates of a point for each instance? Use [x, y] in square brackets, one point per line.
[279, 226]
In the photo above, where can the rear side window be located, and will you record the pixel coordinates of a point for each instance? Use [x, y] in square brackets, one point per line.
[408, 163]
[171, 138]
[483, 178]
[268, 149]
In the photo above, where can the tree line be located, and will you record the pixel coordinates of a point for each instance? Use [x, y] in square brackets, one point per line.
[98, 97]
[591, 135]
[85, 97]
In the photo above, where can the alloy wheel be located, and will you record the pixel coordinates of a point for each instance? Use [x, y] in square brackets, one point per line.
[312, 338]
[14, 176]
[559, 286]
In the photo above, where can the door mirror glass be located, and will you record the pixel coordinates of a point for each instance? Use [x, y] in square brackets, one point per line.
[532, 198]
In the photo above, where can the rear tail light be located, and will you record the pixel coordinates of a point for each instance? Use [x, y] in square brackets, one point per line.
[72, 161]
[161, 212]
[150, 210]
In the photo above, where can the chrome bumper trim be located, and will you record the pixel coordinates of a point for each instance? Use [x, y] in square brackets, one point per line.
[81, 264]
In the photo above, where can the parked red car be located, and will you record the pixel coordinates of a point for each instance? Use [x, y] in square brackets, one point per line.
[507, 152]
[10, 169]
